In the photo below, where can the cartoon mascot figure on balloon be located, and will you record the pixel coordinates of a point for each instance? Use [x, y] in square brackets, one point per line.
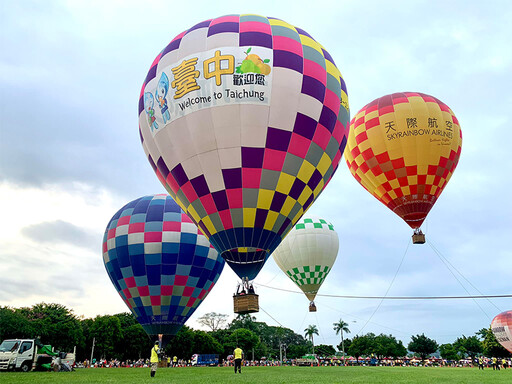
[258, 121]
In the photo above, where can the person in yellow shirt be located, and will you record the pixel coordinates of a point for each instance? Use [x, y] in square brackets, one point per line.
[154, 358]
[238, 355]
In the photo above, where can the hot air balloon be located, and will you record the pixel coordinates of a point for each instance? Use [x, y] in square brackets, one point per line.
[244, 120]
[307, 254]
[161, 265]
[403, 149]
[501, 326]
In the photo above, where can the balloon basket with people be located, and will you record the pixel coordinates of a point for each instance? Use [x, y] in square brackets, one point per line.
[418, 237]
[245, 300]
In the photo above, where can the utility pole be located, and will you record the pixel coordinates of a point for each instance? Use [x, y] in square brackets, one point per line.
[92, 350]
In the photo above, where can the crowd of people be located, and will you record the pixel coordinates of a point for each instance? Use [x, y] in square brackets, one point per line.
[481, 362]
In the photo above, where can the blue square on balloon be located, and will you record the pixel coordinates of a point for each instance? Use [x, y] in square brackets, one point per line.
[167, 279]
[192, 281]
[153, 226]
[122, 251]
[195, 271]
[153, 274]
[155, 213]
[175, 300]
[154, 290]
[185, 257]
[202, 251]
[141, 207]
[199, 261]
[138, 302]
[169, 258]
[124, 260]
[188, 238]
[112, 254]
[138, 265]
[121, 240]
[172, 216]
[182, 270]
[187, 250]
[170, 247]
[136, 249]
[138, 218]
[169, 270]
[153, 259]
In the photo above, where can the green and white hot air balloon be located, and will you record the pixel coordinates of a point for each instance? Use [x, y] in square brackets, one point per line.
[307, 254]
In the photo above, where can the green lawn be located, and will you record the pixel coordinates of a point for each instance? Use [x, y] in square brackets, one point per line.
[263, 375]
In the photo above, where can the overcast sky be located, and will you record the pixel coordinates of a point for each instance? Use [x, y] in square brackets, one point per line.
[70, 157]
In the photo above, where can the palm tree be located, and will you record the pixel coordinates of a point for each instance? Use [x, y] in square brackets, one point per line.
[309, 332]
[341, 326]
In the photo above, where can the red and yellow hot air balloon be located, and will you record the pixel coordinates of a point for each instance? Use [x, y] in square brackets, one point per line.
[403, 149]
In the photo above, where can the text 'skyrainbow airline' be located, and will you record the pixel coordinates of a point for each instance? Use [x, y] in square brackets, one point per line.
[403, 148]
[244, 120]
[161, 265]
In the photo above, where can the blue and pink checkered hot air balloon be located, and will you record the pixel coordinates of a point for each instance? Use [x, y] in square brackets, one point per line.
[161, 265]
[244, 120]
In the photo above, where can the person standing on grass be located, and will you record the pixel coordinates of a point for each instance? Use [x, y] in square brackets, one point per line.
[154, 358]
[481, 363]
[238, 355]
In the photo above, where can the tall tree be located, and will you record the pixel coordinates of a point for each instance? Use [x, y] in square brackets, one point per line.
[325, 350]
[14, 324]
[448, 352]
[340, 327]
[362, 345]
[422, 345]
[310, 331]
[56, 324]
[469, 346]
[491, 346]
[388, 346]
[107, 332]
[213, 320]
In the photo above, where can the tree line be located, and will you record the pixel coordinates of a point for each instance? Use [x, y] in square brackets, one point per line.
[121, 337]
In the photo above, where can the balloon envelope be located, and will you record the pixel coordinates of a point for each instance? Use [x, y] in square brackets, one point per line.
[161, 265]
[501, 326]
[403, 149]
[308, 253]
[244, 120]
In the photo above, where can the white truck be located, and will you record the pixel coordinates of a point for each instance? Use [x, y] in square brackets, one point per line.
[27, 354]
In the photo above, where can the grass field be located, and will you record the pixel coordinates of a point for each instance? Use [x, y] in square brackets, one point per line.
[264, 375]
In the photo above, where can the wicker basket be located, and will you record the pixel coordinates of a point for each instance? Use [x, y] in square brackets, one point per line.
[248, 303]
[418, 238]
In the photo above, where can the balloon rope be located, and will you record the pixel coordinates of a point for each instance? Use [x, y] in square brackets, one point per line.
[269, 315]
[387, 291]
[360, 318]
[392, 297]
[319, 331]
[447, 264]
[469, 282]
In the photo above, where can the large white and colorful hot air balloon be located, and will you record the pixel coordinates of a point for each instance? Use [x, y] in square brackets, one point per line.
[307, 254]
[244, 120]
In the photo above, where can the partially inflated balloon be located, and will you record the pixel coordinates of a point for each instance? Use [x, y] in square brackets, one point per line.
[308, 253]
[244, 120]
[403, 148]
[161, 265]
[502, 328]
